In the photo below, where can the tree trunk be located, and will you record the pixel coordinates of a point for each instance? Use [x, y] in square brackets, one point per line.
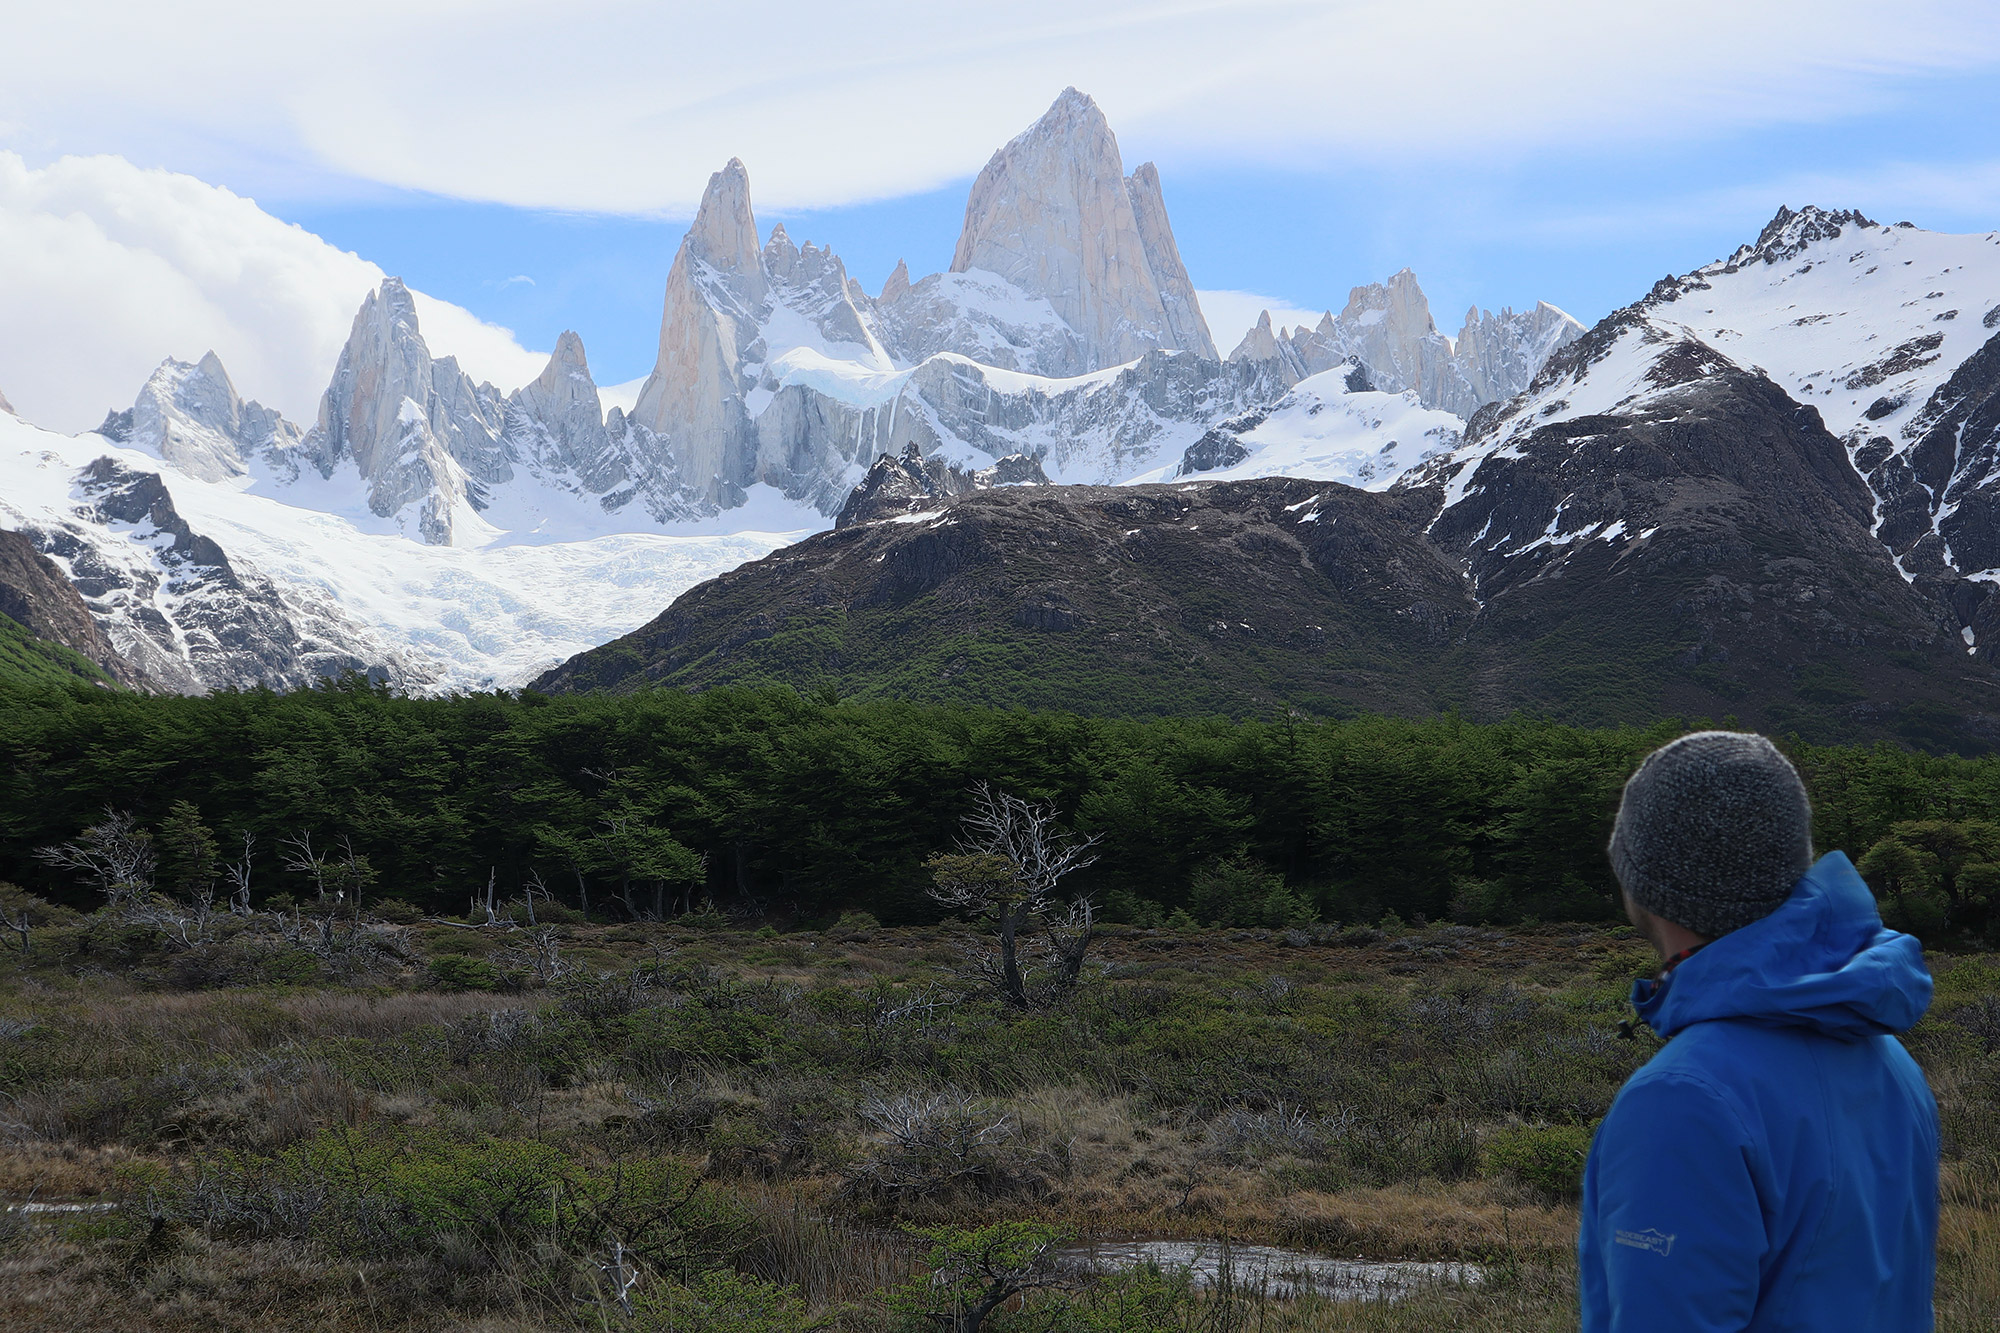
[1012, 917]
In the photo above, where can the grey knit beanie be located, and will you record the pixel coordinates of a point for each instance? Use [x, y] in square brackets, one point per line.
[1713, 831]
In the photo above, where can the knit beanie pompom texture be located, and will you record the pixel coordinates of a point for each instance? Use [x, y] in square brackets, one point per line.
[1713, 831]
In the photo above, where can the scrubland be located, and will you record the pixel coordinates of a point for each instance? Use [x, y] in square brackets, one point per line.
[694, 1125]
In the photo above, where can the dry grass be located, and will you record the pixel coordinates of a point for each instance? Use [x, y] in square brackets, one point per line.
[166, 1078]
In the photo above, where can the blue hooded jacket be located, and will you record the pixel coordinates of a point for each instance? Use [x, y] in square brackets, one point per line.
[1774, 1166]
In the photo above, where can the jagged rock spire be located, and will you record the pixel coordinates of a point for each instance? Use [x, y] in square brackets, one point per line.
[422, 434]
[1054, 214]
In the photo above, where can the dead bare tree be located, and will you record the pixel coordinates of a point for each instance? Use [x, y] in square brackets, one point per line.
[535, 889]
[18, 920]
[238, 875]
[1011, 857]
[297, 855]
[115, 852]
[493, 917]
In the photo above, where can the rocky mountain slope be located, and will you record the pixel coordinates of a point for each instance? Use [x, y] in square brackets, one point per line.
[46, 611]
[1656, 524]
[1387, 328]
[1726, 568]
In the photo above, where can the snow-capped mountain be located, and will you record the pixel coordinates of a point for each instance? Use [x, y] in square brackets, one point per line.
[1054, 215]
[444, 532]
[1331, 426]
[203, 585]
[1387, 328]
[1885, 334]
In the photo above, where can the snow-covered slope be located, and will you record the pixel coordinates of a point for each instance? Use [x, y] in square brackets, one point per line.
[1329, 427]
[209, 584]
[1862, 321]
[1889, 336]
[1386, 328]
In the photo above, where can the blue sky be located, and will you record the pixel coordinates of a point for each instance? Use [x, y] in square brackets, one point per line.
[537, 167]
[1588, 230]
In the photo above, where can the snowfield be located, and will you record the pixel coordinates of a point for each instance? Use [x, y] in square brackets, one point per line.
[471, 617]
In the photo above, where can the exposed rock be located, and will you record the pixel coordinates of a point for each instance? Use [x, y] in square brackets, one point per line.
[556, 421]
[191, 416]
[1387, 329]
[6, 406]
[35, 594]
[425, 438]
[176, 607]
[722, 292]
[1053, 215]
[1185, 324]
[909, 482]
[1940, 506]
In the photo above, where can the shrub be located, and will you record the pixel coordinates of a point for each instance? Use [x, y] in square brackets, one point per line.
[405, 1192]
[1242, 891]
[721, 1302]
[1548, 1160]
[456, 972]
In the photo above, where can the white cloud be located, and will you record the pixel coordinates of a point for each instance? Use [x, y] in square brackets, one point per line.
[106, 269]
[627, 105]
[1230, 315]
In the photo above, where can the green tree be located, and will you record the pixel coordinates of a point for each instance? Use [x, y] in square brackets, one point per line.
[1240, 890]
[1934, 875]
[975, 1271]
[188, 855]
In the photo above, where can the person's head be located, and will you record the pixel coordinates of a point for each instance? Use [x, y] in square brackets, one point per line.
[1713, 831]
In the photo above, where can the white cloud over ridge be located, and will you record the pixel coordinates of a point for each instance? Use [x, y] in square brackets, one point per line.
[106, 269]
[627, 105]
[1231, 314]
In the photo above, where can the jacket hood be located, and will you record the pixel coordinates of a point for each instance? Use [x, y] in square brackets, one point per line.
[1823, 961]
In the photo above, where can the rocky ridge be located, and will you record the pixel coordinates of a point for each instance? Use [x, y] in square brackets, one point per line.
[1387, 328]
[35, 595]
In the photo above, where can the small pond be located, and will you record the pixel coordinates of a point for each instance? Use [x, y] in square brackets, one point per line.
[1277, 1272]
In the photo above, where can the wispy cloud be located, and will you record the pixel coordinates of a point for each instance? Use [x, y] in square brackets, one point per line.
[627, 105]
[1892, 192]
[1231, 314]
[105, 269]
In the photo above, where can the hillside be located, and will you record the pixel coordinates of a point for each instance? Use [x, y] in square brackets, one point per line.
[1707, 553]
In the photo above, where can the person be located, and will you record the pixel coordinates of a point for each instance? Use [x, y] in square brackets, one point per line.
[1774, 1165]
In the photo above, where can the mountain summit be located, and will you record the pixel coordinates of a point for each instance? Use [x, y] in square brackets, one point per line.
[1054, 214]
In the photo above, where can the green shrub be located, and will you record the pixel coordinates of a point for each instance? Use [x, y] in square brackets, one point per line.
[1548, 1160]
[455, 972]
[721, 1302]
[1240, 890]
[406, 1192]
[397, 912]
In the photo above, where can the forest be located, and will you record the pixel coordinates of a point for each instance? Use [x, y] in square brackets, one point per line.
[771, 805]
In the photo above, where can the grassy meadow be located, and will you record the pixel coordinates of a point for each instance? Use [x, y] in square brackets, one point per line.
[340, 1121]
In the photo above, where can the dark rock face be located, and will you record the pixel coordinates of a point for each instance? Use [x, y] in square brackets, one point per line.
[1219, 446]
[1947, 524]
[36, 596]
[912, 483]
[231, 626]
[1708, 555]
[1711, 555]
[1231, 595]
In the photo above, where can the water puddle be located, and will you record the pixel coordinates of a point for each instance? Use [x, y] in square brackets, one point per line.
[1277, 1272]
[39, 1208]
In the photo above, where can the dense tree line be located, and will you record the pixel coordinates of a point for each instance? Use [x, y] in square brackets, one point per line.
[779, 803]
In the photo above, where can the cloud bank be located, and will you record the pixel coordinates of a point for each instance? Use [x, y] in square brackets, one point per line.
[106, 269]
[627, 105]
[1231, 314]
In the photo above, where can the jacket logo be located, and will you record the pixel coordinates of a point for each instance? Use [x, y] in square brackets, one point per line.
[1652, 1238]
